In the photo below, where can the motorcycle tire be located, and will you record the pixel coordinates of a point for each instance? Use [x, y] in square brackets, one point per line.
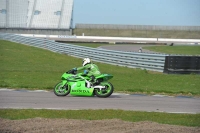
[104, 92]
[59, 90]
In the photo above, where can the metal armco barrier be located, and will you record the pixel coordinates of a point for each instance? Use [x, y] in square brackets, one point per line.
[154, 62]
[182, 64]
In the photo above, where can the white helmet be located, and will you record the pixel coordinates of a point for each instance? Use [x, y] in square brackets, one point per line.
[86, 61]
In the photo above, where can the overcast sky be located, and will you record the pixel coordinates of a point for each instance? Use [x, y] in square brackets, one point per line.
[138, 12]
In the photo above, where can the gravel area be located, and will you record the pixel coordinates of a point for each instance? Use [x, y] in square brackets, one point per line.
[44, 125]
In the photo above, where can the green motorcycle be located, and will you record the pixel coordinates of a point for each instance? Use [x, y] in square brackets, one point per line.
[79, 85]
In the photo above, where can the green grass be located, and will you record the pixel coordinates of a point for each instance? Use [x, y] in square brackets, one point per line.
[34, 68]
[164, 118]
[185, 50]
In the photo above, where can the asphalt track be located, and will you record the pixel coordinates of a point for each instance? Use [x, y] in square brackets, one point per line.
[24, 99]
[128, 48]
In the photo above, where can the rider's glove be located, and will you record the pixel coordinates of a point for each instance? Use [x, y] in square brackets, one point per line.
[85, 72]
[75, 69]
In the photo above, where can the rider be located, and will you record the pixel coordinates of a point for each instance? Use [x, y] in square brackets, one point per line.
[91, 70]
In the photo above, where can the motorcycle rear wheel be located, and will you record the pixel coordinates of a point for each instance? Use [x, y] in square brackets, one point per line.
[104, 92]
[60, 90]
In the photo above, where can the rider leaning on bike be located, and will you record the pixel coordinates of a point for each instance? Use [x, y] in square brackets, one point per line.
[91, 70]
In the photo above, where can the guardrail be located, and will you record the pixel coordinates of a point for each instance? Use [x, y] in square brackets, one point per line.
[154, 62]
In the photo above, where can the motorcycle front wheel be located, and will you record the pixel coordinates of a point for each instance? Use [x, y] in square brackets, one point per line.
[105, 92]
[60, 90]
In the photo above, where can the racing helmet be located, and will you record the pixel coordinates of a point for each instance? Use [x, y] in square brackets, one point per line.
[86, 61]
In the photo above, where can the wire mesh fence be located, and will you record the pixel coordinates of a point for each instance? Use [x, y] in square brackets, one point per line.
[186, 32]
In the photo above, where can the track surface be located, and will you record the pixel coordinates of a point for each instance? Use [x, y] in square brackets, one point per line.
[47, 100]
[128, 48]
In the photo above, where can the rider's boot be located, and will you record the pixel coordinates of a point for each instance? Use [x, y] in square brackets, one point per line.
[92, 80]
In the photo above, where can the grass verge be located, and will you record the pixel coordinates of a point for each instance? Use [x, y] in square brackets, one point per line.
[164, 118]
[34, 68]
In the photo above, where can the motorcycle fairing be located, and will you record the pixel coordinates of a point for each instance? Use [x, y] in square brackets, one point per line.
[80, 89]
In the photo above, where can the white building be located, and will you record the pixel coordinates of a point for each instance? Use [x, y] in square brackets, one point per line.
[36, 14]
